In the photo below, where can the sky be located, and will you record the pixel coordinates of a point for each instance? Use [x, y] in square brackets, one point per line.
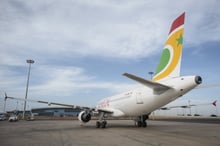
[81, 48]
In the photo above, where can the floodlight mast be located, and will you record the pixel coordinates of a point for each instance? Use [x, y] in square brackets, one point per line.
[30, 61]
[151, 74]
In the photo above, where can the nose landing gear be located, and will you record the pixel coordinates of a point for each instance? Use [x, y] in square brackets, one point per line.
[101, 123]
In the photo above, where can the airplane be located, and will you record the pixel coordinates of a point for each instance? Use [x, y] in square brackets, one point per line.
[214, 103]
[166, 86]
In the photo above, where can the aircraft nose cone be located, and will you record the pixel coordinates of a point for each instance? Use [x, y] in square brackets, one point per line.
[198, 80]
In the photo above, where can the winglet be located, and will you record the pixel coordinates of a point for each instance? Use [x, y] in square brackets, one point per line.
[214, 103]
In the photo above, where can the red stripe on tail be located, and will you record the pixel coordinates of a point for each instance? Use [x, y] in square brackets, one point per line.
[178, 22]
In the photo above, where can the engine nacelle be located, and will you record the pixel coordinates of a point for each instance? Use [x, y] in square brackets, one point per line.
[84, 116]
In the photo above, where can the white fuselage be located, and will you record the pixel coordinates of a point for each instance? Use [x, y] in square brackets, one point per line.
[144, 100]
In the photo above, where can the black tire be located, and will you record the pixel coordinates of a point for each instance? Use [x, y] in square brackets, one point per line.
[103, 124]
[144, 124]
[98, 124]
[139, 124]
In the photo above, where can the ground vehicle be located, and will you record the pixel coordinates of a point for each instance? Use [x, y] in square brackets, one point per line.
[2, 116]
[13, 118]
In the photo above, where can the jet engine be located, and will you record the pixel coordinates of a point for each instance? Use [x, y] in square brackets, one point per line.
[198, 80]
[84, 116]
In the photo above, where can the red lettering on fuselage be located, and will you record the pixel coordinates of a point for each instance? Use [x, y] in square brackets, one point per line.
[104, 103]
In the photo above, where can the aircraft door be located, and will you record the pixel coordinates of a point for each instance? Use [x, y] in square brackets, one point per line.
[139, 99]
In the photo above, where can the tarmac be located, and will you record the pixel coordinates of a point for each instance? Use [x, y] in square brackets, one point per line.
[117, 133]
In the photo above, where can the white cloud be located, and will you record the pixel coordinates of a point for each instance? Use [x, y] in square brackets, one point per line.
[67, 80]
[56, 81]
[113, 29]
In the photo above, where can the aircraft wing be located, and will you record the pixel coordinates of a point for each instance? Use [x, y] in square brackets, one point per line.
[157, 87]
[106, 111]
[111, 111]
[180, 106]
[48, 103]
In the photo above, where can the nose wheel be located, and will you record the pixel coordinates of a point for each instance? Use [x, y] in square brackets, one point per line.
[101, 124]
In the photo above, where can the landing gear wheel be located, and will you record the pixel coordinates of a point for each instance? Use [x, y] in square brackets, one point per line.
[101, 124]
[144, 124]
[98, 124]
[139, 124]
[141, 121]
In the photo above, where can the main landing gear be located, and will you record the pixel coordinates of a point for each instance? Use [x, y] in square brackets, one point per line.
[141, 121]
[141, 124]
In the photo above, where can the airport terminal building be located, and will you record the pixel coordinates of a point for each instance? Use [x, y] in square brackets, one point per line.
[56, 111]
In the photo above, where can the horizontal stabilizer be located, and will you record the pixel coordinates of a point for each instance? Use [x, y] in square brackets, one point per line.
[157, 87]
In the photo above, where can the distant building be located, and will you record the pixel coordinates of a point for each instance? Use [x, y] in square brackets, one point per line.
[56, 111]
[18, 112]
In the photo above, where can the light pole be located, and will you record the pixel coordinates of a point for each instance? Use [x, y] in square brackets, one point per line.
[29, 62]
[151, 74]
[5, 105]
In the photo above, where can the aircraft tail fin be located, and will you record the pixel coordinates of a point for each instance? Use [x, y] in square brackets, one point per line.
[170, 61]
